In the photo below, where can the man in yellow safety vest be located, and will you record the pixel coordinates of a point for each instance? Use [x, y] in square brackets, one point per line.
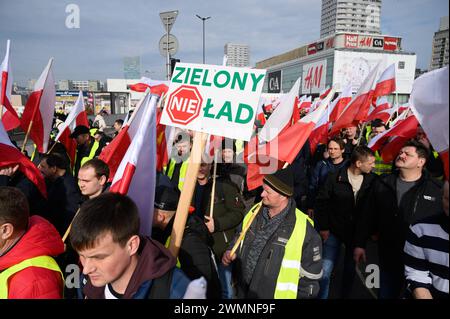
[280, 256]
[87, 147]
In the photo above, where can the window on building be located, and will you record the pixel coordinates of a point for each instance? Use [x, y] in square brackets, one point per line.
[401, 65]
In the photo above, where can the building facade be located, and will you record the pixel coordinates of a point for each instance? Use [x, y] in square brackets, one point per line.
[360, 16]
[80, 85]
[132, 67]
[439, 56]
[339, 61]
[238, 55]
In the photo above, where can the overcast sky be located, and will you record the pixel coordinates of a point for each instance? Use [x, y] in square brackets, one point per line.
[112, 29]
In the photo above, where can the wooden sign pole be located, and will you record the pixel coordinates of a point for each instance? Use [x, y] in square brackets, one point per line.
[188, 191]
[66, 234]
[213, 189]
[26, 135]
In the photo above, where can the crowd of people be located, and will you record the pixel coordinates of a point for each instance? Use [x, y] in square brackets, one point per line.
[289, 233]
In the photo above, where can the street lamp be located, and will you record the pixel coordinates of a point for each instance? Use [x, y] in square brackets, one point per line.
[203, 19]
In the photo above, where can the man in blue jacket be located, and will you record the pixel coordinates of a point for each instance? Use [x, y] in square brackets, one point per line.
[117, 261]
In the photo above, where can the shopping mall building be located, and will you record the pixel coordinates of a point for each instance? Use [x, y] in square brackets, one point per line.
[339, 60]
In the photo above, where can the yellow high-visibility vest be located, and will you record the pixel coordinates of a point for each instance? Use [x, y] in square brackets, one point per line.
[183, 171]
[40, 261]
[167, 246]
[289, 274]
[380, 166]
[91, 155]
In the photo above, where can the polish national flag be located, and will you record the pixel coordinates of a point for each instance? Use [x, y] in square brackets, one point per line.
[213, 143]
[356, 111]
[113, 153]
[11, 156]
[429, 103]
[386, 83]
[164, 141]
[40, 108]
[136, 174]
[340, 103]
[281, 138]
[324, 93]
[391, 141]
[382, 111]
[9, 117]
[77, 116]
[402, 108]
[156, 87]
[305, 103]
[320, 133]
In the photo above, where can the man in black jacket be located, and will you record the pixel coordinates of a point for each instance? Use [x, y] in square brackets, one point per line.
[338, 205]
[63, 193]
[396, 201]
[195, 257]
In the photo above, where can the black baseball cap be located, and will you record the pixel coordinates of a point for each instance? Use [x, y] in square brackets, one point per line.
[166, 197]
[80, 129]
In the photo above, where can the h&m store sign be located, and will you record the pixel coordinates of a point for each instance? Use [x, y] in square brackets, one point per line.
[355, 41]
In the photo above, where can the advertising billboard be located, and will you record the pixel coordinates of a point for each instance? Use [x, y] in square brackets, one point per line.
[274, 82]
[353, 67]
[369, 42]
[314, 77]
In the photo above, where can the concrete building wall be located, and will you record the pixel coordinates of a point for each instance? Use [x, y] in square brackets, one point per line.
[238, 54]
[360, 16]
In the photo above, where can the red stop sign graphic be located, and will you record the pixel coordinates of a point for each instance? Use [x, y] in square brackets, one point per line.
[184, 105]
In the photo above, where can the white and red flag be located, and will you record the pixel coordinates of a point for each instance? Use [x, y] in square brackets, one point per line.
[113, 153]
[260, 115]
[340, 103]
[429, 103]
[213, 144]
[281, 138]
[156, 86]
[11, 156]
[320, 133]
[164, 140]
[305, 103]
[391, 141]
[76, 117]
[356, 111]
[402, 108]
[324, 93]
[382, 111]
[40, 109]
[136, 174]
[386, 83]
[9, 117]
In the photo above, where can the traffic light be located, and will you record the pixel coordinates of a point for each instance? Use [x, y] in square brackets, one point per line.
[173, 61]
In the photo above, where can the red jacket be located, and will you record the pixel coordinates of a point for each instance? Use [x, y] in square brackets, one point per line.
[41, 239]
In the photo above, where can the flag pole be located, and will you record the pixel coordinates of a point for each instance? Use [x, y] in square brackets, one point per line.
[213, 189]
[28, 133]
[184, 203]
[66, 234]
[361, 133]
[254, 212]
[51, 148]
